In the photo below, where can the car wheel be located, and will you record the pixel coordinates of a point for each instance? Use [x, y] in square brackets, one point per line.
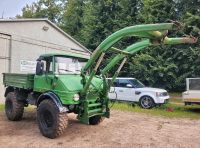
[146, 102]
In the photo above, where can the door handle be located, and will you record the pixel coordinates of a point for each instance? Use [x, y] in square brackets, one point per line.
[120, 90]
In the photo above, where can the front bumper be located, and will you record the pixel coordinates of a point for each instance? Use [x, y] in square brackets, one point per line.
[162, 100]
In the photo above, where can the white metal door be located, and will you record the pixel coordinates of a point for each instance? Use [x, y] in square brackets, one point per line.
[123, 92]
[4, 61]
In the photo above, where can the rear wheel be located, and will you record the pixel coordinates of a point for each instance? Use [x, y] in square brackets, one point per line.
[51, 122]
[95, 120]
[147, 102]
[14, 109]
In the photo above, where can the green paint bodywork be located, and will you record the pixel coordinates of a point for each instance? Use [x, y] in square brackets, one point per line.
[24, 81]
[93, 89]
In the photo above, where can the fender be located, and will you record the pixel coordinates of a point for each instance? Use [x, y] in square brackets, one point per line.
[52, 96]
[8, 89]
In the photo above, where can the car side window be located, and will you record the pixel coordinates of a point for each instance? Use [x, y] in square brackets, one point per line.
[123, 82]
[115, 83]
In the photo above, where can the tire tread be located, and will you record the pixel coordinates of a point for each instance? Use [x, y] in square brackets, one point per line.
[62, 121]
[18, 109]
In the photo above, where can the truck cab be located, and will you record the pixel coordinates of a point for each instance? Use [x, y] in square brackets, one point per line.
[61, 74]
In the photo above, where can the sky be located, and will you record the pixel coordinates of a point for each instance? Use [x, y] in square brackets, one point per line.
[10, 8]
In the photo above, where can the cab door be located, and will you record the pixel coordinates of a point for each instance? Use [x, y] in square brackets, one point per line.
[125, 90]
[44, 81]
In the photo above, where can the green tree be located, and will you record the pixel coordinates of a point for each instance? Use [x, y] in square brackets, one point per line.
[51, 9]
[102, 18]
[72, 17]
[158, 11]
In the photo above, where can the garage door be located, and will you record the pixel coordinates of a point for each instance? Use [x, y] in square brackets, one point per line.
[4, 61]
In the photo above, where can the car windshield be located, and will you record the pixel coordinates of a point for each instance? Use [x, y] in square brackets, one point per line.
[136, 83]
[68, 65]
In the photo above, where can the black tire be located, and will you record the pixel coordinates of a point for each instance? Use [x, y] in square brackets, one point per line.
[13, 108]
[95, 120]
[146, 102]
[51, 122]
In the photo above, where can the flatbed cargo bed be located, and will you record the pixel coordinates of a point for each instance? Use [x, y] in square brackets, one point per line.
[25, 81]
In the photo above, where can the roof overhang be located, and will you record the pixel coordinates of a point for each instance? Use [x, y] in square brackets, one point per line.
[63, 55]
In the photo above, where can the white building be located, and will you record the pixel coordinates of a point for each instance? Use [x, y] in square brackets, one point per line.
[26, 39]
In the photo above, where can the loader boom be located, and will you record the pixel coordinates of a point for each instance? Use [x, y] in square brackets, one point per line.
[154, 34]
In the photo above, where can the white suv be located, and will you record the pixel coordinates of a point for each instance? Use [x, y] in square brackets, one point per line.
[132, 90]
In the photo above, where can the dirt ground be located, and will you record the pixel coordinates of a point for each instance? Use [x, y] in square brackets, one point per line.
[123, 129]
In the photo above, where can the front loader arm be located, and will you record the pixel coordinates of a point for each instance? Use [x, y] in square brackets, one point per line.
[143, 44]
[156, 34]
[145, 31]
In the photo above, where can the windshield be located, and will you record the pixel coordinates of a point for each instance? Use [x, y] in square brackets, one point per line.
[136, 83]
[68, 65]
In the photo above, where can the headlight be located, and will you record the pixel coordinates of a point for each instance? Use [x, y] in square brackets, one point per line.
[161, 94]
[76, 97]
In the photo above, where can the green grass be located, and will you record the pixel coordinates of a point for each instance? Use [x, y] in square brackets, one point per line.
[175, 108]
[175, 100]
[168, 110]
[176, 97]
[175, 94]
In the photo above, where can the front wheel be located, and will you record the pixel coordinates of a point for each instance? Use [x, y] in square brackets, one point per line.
[146, 102]
[95, 120]
[51, 122]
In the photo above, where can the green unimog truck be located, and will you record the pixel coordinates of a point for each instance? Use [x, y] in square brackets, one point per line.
[65, 83]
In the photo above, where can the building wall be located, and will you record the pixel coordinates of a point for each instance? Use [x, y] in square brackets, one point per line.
[27, 41]
[34, 30]
[4, 61]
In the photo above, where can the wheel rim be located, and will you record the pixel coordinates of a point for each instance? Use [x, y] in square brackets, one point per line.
[47, 119]
[146, 102]
[9, 107]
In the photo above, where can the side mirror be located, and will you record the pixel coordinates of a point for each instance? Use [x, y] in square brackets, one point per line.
[129, 86]
[39, 68]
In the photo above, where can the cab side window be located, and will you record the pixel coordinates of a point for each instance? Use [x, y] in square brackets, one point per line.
[123, 82]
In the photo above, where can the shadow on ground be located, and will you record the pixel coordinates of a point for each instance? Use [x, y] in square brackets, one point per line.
[194, 110]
